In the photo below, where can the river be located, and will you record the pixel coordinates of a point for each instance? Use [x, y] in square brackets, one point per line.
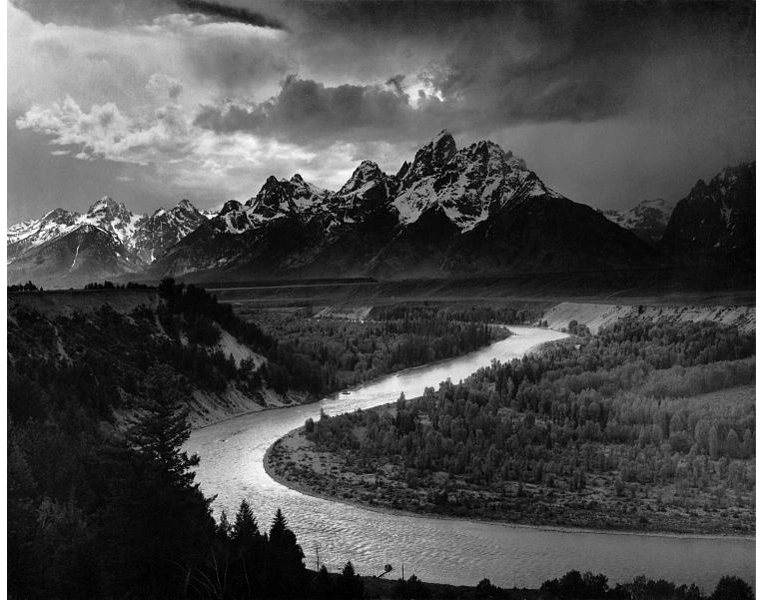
[440, 550]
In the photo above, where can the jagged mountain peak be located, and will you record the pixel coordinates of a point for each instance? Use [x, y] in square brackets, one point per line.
[443, 139]
[106, 204]
[185, 204]
[280, 198]
[468, 185]
[230, 206]
[185, 210]
[274, 194]
[486, 158]
[430, 158]
[366, 173]
[163, 229]
[485, 149]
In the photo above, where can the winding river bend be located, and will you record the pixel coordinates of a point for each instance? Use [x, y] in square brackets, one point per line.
[439, 550]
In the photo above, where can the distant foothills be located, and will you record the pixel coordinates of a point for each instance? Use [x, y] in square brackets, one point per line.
[449, 213]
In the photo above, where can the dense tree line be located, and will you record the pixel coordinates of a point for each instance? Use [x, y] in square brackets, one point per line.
[24, 287]
[330, 354]
[509, 315]
[110, 285]
[623, 409]
[595, 587]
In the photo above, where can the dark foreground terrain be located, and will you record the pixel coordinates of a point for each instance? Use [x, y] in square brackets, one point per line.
[102, 501]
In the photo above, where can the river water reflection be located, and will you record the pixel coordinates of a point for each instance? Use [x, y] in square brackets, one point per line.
[439, 550]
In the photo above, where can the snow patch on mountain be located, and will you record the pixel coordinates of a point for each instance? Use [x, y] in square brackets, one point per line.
[469, 185]
[648, 219]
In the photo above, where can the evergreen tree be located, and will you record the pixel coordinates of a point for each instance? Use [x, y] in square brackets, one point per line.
[286, 572]
[278, 527]
[223, 530]
[160, 528]
[732, 588]
[162, 430]
[245, 528]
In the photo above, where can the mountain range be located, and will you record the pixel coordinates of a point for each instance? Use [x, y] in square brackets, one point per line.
[69, 248]
[448, 213]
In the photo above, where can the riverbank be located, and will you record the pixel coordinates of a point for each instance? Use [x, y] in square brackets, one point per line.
[206, 409]
[294, 462]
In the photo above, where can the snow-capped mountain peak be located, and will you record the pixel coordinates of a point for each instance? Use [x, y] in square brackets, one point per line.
[164, 228]
[274, 200]
[468, 185]
[106, 204]
[113, 218]
[279, 198]
[648, 219]
[437, 153]
[230, 206]
[365, 175]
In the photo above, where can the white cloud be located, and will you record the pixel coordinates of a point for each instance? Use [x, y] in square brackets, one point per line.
[104, 132]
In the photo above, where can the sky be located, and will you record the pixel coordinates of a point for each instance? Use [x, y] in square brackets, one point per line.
[152, 101]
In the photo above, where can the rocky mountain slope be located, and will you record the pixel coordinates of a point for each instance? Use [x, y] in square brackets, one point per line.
[76, 257]
[647, 220]
[716, 222]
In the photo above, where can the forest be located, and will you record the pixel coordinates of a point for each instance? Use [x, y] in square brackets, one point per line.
[331, 354]
[106, 508]
[647, 426]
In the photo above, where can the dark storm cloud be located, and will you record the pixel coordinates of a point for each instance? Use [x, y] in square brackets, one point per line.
[539, 62]
[494, 65]
[108, 13]
[229, 13]
[305, 109]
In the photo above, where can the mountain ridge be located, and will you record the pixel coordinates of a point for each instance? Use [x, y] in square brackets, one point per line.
[450, 212]
[413, 222]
